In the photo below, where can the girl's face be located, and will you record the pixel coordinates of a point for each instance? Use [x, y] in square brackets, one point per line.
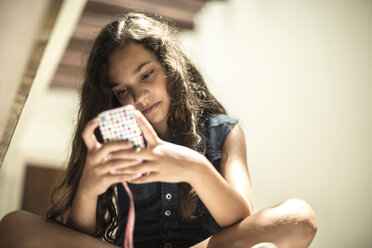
[139, 79]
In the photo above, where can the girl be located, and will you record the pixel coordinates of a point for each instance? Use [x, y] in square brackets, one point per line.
[190, 184]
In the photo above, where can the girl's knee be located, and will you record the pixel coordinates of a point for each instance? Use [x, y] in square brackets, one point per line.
[8, 229]
[11, 221]
[303, 214]
[14, 220]
[13, 229]
[299, 216]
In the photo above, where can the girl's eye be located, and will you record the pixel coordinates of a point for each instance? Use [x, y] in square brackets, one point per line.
[122, 91]
[147, 75]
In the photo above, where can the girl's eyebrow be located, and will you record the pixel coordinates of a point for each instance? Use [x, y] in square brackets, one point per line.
[139, 68]
[112, 84]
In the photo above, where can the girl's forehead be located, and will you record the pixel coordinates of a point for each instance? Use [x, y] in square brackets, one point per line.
[126, 60]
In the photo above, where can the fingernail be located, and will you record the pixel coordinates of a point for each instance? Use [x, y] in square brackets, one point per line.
[109, 156]
[112, 171]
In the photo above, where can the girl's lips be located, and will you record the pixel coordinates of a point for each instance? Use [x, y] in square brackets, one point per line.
[150, 109]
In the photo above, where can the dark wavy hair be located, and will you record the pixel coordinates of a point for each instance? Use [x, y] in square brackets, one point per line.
[191, 104]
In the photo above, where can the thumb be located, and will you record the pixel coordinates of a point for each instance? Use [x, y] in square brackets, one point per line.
[148, 131]
[88, 135]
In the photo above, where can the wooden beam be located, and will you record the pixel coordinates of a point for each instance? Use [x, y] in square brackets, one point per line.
[28, 76]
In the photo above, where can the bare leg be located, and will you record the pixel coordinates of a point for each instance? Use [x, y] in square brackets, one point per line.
[289, 224]
[23, 229]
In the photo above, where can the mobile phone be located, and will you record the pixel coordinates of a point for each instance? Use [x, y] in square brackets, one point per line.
[119, 124]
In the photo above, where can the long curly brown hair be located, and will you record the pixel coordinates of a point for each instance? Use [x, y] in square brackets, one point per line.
[191, 104]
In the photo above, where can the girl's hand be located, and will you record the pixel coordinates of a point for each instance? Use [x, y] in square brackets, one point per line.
[100, 169]
[162, 161]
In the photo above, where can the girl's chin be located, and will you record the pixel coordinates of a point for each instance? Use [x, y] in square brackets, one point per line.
[157, 120]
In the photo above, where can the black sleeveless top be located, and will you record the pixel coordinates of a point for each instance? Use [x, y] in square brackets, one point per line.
[158, 221]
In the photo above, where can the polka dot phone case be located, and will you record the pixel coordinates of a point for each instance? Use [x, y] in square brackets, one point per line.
[119, 124]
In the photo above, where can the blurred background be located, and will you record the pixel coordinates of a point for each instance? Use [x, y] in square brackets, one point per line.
[297, 74]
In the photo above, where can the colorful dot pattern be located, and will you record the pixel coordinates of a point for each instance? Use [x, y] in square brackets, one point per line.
[119, 124]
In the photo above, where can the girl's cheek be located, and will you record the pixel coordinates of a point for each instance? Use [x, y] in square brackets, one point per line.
[126, 102]
[122, 102]
[128, 99]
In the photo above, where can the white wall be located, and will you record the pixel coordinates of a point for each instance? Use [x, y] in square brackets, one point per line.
[297, 75]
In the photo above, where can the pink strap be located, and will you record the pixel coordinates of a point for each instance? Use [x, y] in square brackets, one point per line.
[128, 236]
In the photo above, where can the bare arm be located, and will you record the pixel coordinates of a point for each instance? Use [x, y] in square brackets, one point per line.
[228, 196]
[83, 213]
[234, 166]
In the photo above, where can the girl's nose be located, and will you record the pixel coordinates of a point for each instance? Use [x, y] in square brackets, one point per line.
[140, 96]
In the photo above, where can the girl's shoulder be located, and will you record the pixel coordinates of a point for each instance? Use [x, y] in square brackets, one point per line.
[218, 127]
[217, 120]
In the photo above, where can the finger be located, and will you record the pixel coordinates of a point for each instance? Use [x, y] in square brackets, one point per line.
[146, 178]
[135, 153]
[139, 168]
[122, 177]
[88, 134]
[117, 166]
[118, 178]
[148, 131]
[104, 153]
